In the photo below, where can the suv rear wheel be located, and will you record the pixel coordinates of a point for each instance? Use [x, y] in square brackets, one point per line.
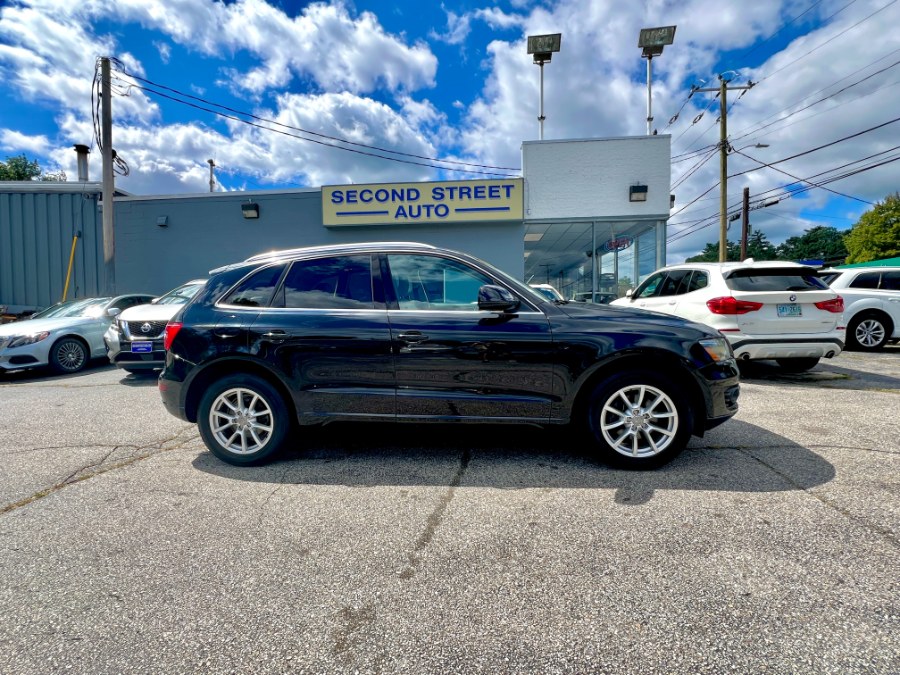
[243, 419]
[639, 420]
[868, 332]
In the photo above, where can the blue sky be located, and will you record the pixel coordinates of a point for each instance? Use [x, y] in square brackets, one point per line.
[452, 81]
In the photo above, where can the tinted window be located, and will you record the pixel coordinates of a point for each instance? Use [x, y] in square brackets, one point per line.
[866, 280]
[890, 281]
[699, 279]
[675, 283]
[257, 289]
[180, 295]
[762, 280]
[649, 287]
[340, 282]
[429, 282]
[829, 277]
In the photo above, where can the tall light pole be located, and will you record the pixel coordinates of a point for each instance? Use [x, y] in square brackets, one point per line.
[652, 41]
[543, 46]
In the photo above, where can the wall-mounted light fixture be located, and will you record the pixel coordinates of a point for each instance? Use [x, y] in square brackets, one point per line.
[162, 221]
[637, 193]
[250, 210]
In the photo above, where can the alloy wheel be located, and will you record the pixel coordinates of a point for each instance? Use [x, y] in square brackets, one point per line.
[241, 421]
[869, 333]
[639, 421]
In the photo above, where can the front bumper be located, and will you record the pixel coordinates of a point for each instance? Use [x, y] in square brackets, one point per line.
[720, 383]
[27, 356]
[120, 354]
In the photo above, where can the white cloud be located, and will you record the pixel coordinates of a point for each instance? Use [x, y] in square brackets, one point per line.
[458, 28]
[16, 141]
[164, 49]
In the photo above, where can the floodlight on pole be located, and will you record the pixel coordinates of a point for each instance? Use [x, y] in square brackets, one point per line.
[652, 41]
[543, 46]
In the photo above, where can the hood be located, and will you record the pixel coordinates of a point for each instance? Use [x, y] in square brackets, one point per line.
[29, 326]
[632, 316]
[149, 312]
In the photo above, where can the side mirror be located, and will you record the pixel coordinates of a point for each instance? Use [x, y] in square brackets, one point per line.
[113, 311]
[629, 292]
[496, 299]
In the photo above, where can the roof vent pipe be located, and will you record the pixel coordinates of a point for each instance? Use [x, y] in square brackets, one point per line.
[82, 152]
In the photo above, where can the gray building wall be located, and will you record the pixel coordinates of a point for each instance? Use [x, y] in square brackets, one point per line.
[37, 224]
[205, 231]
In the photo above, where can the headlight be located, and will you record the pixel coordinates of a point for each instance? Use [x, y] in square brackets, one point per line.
[115, 327]
[22, 340]
[718, 348]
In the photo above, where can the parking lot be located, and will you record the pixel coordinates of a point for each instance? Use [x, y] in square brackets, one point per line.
[771, 545]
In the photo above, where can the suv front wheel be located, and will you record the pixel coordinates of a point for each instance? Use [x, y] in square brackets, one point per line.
[639, 420]
[243, 419]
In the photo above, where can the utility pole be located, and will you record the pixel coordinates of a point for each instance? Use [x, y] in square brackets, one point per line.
[212, 176]
[723, 90]
[745, 223]
[106, 154]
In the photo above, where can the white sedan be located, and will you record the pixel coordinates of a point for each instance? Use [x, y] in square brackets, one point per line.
[65, 336]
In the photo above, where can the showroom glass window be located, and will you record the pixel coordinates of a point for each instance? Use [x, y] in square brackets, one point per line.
[337, 282]
[430, 282]
[257, 289]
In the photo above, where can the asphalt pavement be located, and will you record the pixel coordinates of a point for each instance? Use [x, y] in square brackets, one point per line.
[771, 545]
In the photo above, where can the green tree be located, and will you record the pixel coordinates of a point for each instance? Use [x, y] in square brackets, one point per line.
[819, 242]
[877, 234]
[710, 253]
[19, 168]
[759, 247]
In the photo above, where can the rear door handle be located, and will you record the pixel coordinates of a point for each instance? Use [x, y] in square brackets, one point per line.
[412, 337]
[227, 332]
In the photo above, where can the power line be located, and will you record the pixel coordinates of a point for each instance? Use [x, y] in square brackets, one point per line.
[292, 128]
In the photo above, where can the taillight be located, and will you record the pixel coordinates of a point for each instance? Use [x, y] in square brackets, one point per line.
[836, 305]
[172, 329]
[731, 305]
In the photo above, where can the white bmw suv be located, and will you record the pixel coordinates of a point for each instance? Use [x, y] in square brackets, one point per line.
[766, 310]
[871, 304]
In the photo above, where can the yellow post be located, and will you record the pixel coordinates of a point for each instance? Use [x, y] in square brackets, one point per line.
[69, 272]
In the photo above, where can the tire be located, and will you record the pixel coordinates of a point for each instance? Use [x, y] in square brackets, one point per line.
[652, 437]
[797, 365]
[868, 332]
[243, 419]
[68, 355]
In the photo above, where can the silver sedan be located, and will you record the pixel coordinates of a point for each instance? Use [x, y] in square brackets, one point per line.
[65, 336]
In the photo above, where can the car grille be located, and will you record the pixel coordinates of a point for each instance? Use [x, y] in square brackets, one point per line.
[136, 329]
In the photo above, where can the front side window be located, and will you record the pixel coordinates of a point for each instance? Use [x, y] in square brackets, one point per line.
[430, 282]
[774, 279]
[257, 289]
[649, 288]
[866, 280]
[337, 282]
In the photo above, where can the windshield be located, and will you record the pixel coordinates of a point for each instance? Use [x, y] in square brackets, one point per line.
[180, 295]
[73, 308]
[548, 292]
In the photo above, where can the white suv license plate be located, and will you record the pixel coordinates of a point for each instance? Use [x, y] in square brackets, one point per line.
[142, 347]
[789, 310]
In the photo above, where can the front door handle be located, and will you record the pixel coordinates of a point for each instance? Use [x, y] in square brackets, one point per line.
[275, 336]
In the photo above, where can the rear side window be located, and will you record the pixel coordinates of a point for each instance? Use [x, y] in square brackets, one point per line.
[676, 283]
[257, 289]
[339, 282]
[890, 281]
[763, 280]
[699, 279]
[866, 280]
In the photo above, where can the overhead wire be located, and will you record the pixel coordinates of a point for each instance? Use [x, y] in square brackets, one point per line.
[153, 87]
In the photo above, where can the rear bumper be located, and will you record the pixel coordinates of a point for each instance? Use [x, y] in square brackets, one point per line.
[749, 347]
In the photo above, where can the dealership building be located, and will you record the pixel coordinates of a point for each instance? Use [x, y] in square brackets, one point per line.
[588, 216]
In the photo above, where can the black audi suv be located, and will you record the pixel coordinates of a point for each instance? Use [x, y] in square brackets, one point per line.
[410, 332]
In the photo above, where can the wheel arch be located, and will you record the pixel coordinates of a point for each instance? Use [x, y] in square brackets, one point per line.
[667, 365]
[232, 366]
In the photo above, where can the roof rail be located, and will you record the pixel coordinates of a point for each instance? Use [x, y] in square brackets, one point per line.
[283, 253]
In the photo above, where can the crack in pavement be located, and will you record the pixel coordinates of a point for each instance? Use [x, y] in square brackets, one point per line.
[887, 534]
[436, 516]
[96, 468]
